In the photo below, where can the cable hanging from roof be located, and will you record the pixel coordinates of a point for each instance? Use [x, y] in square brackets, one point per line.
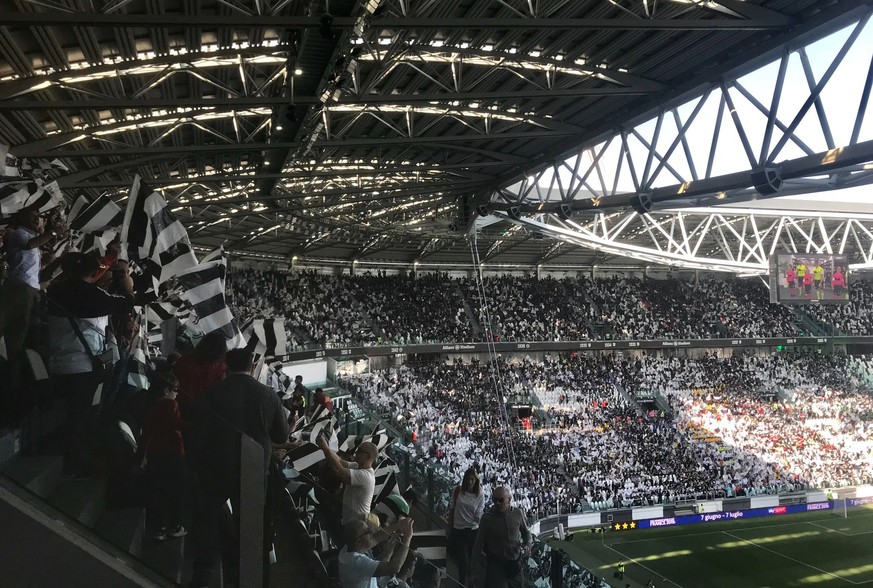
[493, 360]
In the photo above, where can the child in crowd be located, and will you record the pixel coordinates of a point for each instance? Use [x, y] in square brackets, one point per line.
[164, 451]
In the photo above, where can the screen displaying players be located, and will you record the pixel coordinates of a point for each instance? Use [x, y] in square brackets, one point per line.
[809, 278]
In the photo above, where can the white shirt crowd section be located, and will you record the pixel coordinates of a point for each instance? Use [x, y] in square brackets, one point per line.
[741, 426]
[854, 318]
[334, 311]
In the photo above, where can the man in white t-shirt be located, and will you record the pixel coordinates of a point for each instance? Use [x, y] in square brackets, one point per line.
[357, 476]
[356, 568]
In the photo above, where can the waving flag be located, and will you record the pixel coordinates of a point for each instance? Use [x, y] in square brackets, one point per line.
[97, 217]
[150, 232]
[386, 480]
[267, 336]
[204, 290]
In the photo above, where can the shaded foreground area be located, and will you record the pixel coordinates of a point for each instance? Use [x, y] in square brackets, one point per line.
[816, 550]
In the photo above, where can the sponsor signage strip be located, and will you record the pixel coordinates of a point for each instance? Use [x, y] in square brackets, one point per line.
[731, 515]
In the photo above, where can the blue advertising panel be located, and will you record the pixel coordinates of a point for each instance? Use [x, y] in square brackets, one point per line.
[732, 515]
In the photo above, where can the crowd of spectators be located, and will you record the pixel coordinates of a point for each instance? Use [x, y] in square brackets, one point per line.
[820, 437]
[604, 451]
[408, 310]
[320, 309]
[368, 309]
[523, 308]
[854, 318]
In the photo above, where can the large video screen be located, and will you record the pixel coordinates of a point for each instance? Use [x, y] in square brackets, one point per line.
[809, 278]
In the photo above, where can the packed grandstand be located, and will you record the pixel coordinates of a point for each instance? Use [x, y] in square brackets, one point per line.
[324, 310]
[606, 430]
[746, 424]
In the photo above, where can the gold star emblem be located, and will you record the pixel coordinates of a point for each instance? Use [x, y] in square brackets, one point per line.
[624, 526]
[618, 526]
[633, 525]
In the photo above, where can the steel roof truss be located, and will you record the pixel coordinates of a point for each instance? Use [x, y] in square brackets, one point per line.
[815, 93]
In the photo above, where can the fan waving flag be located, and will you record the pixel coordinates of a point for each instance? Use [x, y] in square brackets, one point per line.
[152, 233]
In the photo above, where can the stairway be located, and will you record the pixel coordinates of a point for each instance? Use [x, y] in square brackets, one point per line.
[468, 310]
[93, 528]
[812, 326]
[84, 501]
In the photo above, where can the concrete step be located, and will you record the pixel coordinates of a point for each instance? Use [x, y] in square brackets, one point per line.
[164, 557]
[83, 500]
[124, 528]
[38, 473]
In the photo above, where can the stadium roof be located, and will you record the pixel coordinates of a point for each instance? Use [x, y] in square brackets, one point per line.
[376, 129]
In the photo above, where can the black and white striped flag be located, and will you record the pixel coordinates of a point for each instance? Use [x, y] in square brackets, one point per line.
[13, 194]
[296, 432]
[204, 290]
[18, 193]
[267, 336]
[351, 443]
[306, 458]
[93, 242]
[41, 167]
[151, 232]
[137, 362]
[80, 204]
[431, 545]
[327, 423]
[96, 217]
[157, 312]
[386, 480]
[45, 197]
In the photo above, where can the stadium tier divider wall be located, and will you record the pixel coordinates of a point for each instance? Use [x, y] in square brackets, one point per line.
[593, 345]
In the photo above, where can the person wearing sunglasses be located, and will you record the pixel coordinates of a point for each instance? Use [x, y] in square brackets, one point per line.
[503, 539]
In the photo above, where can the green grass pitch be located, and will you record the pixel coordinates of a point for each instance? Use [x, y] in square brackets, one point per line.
[812, 550]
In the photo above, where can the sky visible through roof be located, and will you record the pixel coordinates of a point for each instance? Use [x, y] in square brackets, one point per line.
[840, 99]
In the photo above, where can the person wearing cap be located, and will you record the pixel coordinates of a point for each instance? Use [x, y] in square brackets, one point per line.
[357, 568]
[77, 315]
